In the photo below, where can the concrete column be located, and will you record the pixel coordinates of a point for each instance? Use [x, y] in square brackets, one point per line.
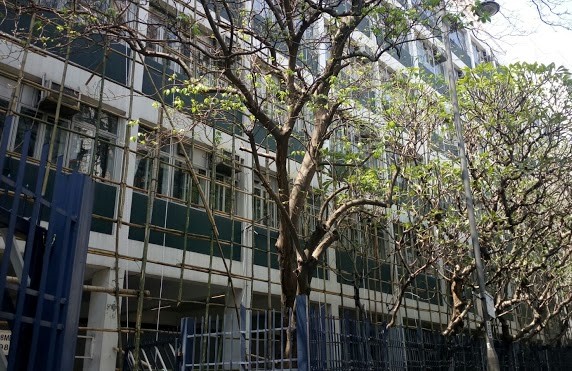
[103, 310]
[234, 343]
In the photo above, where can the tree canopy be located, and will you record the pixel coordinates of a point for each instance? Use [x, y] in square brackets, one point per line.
[518, 127]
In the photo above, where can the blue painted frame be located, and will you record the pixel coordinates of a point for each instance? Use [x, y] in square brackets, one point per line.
[43, 313]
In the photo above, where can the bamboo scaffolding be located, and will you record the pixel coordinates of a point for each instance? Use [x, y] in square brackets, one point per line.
[326, 288]
[92, 288]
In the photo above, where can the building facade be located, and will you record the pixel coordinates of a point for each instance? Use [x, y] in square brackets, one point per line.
[101, 104]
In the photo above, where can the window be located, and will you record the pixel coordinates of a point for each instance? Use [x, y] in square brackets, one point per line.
[57, 4]
[83, 152]
[365, 26]
[223, 193]
[381, 243]
[143, 174]
[181, 181]
[310, 49]
[225, 178]
[28, 120]
[265, 210]
[144, 163]
[163, 39]
[3, 111]
[60, 135]
[203, 181]
[459, 39]
[430, 58]
[147, 140]
[216, 176]
[84, 148]
[183, 185]
[309, 216]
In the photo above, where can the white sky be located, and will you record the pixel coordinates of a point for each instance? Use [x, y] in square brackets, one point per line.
[522, 36]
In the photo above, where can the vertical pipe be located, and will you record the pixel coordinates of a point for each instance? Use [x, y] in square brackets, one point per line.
[151, 193]
[492, 359]
[58, 107]
[123, 191]
[99, 107]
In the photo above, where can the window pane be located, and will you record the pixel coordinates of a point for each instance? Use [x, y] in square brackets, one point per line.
[258, 212]
[222, 194]
[60, 140]
[104, 159]
[144, 172]
[80, 150]
[88, 115]
[3, 109]
[181, 181]
[163, 176]
[195, 196]
[26, 122]
[264, 209]
[142, 164]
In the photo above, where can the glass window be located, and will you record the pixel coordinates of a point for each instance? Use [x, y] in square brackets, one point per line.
[195, 194]
[3, 111]
[81, 146]
[82, 153]
[223, 193]
[162, 39]
[476, 54]
[88, 115]
[143, 172]
[458, 37]
[181, 181]
[57, 4]
[265, 210]
[28, 120]
[60, 133]
[104, 164]
[381, 243]
[144, 160]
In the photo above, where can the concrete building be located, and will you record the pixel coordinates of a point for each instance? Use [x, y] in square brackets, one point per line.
[98, 118]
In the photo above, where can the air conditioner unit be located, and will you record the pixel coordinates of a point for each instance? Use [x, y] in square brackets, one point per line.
[366, 132]
[439, 54]
[49, 97]
[486, 57]
[225, 163]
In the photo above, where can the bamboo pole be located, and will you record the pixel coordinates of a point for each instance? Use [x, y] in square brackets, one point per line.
[58, 108]
[151, 193]
[92, 288]
[123, 191]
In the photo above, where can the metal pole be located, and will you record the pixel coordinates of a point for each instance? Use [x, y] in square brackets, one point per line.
[492, 359]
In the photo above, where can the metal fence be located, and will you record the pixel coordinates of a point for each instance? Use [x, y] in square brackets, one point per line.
[257, 342]
[41, 270]
[154, 354]
[348, 344]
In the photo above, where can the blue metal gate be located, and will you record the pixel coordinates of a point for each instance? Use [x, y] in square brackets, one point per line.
[41, 271]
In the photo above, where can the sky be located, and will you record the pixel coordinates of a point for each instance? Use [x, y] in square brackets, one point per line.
[520, 35]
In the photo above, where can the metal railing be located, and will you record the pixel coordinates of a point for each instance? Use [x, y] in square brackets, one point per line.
[258, 340]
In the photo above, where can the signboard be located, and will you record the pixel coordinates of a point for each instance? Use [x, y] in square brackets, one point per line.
[490, 305]
[5, 336]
